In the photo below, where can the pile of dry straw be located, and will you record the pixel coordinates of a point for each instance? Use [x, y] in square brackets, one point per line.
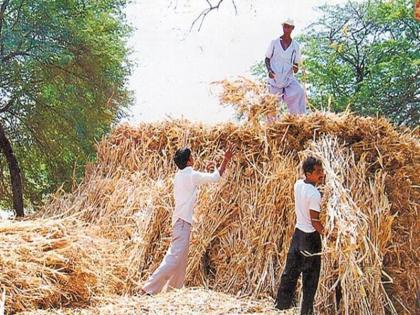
[180, 302]
[111, 232]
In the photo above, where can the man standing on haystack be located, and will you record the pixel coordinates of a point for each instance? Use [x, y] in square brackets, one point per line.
[304, 252]
[174, 265]
[282, 61]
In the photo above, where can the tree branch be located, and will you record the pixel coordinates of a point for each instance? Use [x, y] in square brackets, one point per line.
[18, 15]
[47, 150]
[8, 105]
[235, 7]
[2, 10]
[15, 54]
[206, 11]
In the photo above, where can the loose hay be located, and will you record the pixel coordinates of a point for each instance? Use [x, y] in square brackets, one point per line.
[44, 264]
[244, 224]
[179, 302]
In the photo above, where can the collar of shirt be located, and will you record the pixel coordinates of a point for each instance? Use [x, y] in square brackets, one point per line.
[186, 169]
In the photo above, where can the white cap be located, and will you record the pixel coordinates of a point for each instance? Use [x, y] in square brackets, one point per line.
[288, 22]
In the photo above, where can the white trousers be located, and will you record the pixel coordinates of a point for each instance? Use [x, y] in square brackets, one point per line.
[293, 95]
[173, 267]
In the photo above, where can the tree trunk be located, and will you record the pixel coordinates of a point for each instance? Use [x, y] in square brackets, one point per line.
[14, 170]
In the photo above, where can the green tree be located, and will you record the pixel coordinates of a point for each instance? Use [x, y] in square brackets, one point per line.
[63, 72]
[366, 56]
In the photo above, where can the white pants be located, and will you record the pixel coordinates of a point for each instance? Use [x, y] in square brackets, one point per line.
[293, 95]
[174, 264]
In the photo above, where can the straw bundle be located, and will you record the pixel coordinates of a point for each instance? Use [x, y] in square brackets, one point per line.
[42, 265]
[244, 224]
[239, 245]
[358, 215]
[49, 263]
[248, 99]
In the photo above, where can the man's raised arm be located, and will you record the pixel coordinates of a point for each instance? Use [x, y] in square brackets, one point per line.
[200, 178]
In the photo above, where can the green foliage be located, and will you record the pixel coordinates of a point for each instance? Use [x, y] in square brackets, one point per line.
[64, 65]
[365, 56]
[259, 71]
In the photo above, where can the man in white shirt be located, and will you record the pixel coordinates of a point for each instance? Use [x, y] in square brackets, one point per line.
[304, 252]
[282, 60]
[174, 264]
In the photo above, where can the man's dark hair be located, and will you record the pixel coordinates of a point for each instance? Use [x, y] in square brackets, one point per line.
[181, 157]
[309, 164]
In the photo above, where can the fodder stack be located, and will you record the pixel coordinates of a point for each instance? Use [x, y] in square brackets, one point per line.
[244, 224]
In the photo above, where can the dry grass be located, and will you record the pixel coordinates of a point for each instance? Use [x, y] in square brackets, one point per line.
[359, 221]
[179, 302]
[244, 224]
[44, 264]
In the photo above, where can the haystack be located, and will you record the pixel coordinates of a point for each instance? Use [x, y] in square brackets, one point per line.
[243, 225]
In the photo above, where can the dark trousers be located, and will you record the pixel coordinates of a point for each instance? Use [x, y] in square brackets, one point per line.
[297, 263]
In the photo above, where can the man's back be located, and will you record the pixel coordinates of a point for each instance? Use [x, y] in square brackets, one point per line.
[307, 198]
[186, 183]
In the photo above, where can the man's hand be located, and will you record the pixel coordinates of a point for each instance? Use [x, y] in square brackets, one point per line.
[270, 71]
[210, 166]
[316, 223]
[332, 237]
[229, 153]
[295, 68]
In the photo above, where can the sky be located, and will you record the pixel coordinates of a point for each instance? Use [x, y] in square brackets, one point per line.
[175, 67]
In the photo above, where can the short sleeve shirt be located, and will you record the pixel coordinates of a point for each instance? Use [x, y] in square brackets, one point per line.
[307, 198]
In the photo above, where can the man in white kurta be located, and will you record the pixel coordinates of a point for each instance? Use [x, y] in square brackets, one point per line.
[187, 181]
[282, 61]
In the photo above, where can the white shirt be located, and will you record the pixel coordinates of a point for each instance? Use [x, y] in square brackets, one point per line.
[282, 61]
[307, 197]
[185, 191]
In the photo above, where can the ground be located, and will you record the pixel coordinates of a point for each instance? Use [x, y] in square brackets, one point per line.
[185, 301]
